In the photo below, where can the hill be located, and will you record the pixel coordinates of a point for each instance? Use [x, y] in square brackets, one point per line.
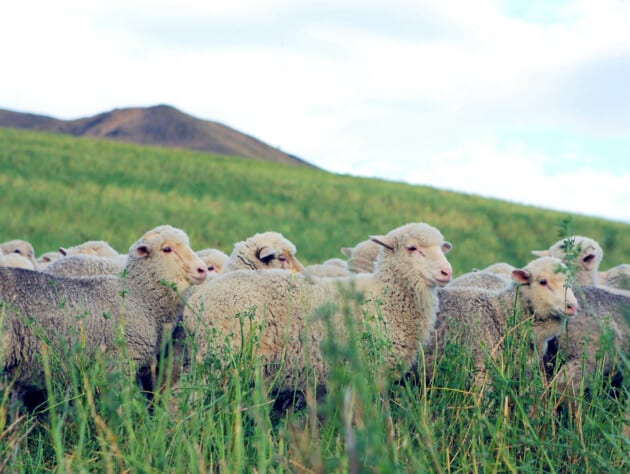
[160, 125]
[61, 190]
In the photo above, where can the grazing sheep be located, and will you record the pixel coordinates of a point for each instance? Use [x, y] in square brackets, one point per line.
[91, 247]
[361, 257]
[215, 260]
[477, 318]
[86, 313]
[409, 268]
[263, 251]
[616, 277]
[589, 257]
[20, 247]
[86, 265]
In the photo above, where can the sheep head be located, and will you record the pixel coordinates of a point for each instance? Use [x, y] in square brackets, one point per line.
[589, 255]
[418, 249]
[19, 247]
[544, 288]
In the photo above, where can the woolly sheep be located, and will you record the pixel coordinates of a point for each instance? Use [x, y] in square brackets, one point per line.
[46, 259]
[616, 277]
[262, 251]
[580, 345]
[16, 260]
[20, 247]
[477, 318]
[588, 260]
[362, 257]
[215, 260]
[93, 307]
[500, 268]
[91, 247]
[410, 267]
[86, 265]
[482, 280]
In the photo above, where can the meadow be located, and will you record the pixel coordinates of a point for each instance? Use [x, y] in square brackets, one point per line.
[59, 190]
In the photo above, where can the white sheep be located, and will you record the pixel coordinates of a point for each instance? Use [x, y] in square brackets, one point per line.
[361, 257]
[215, 260]
[589, 256]
[20, 247]
[16, 260]
[331, 268]
[86, 265]
[477, 318]
[262, 251]
[38, 308]
[616, 277]
[91, 247]
[482, 280]
[410, 267]
[47, 258]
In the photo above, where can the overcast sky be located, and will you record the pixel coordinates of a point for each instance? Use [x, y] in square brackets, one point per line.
[527, 100]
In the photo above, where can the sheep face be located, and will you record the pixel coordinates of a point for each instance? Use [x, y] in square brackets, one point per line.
[417, 249]
[19, 247]
[165, 253]
[589, 257]
[544, 289]
[284, 259]
[214, 260]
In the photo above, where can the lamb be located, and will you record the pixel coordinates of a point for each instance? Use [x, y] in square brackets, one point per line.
[264, 250]
[477, 318]
[91, 247]
[589, 257]
[361, 257]
[215, 260]
[94, 308]
[20, 247]
[410, 267]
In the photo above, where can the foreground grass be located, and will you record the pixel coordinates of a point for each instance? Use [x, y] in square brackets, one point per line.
[224, 417]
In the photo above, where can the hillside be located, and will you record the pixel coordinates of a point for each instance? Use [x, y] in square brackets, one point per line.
[61, 190]
[161, 125]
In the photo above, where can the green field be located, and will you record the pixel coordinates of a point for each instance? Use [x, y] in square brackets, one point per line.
[59, 190]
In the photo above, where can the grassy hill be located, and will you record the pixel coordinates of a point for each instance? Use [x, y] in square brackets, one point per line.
[59, 190]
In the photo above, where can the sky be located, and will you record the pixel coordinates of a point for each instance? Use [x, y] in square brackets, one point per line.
[527, 101]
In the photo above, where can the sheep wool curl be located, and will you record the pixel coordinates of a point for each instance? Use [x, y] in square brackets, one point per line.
[95, 307]
[589, 257]
[20, 247]
[215, 260]
[361, 257]
[410, 267]
[477, 318]
[264, 251]
[91, 247]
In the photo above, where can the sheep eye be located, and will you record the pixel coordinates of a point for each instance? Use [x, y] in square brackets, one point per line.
[210, 268]
[17, 251]
[282, 258]
[542, 281]
[167, 250]
[412, 248]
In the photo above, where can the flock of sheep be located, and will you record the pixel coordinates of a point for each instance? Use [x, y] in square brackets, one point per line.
[84, 296]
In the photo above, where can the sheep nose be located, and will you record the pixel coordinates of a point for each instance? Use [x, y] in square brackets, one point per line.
[202, 271]
[446, 272]
[571, 309]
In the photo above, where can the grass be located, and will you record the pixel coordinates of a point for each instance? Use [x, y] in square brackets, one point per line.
[223, 416]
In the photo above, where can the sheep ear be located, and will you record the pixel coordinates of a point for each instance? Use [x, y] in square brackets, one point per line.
[521, 276]
[265, 254]
[542, 253]
[446, 247]
[347, 251]
[382, 240]
[63, 251]
[142, 251]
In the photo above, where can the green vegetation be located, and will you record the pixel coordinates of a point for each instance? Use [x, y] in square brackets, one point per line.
[61, 191]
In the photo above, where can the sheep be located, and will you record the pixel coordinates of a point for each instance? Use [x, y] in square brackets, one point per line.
[616, 277]
[410, 267]
[361, 257]
[86, 265]
[20, 247]
[215, 260]
[500, 268]
[263, 250]
[91, 247]
[603, 308]
[477, 318]
[331, 268]
[47, 258]
[589, 257]
[38, 308]
[482, 280]
[16, 260]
